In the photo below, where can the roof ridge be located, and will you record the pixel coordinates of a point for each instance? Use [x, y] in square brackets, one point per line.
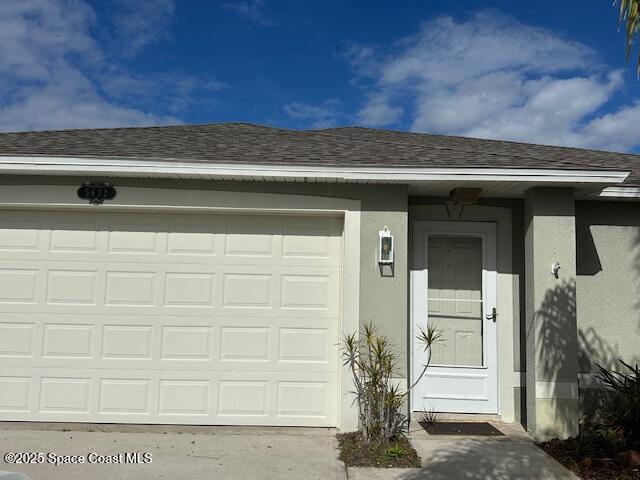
[488, 140]
[145, 127]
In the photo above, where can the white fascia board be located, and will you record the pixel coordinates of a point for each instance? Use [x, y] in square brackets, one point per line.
[620, 192]
[158, 169]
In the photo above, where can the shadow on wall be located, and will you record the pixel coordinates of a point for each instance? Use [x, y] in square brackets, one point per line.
[483, 459]
[555, 320]
[556, 355]
[608, 241]
[621, 258]
[593, 348]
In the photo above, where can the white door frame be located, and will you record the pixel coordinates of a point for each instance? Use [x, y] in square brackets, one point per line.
[480, 394]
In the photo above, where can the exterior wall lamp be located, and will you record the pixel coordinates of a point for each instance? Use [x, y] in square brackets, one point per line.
[385, 247]
[458, 198]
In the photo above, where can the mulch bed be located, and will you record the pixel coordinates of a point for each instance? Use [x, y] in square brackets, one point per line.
[592, 457]
[354, 452]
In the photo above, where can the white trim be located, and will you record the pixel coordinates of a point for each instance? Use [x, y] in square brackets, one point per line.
[507, 298]
[557, 389]
[192, 201]
[519, 379]
[589, 380]
[620, 192]
[36, 165]
[490, 402]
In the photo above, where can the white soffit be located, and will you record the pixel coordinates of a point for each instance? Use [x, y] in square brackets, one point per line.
[35, 165]
[620, 192]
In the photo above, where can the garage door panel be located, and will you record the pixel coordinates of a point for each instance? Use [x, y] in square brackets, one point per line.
[65, 395]
[127, 342]
[19, 285]
[15, 393]
[227, 398]
[202, 319]
[17, 339]
[64, 340]
[305, 345]
[71, 287]
[123, 239]
[66, 287]
[250, 240]
[187, 342]
[311, 343]
[65, 238]
[19, 236]
[184, 397]
[82, 257]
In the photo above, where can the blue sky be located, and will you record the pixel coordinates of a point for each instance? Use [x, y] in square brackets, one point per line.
[542, 72]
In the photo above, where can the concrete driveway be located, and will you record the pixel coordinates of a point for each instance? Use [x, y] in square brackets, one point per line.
[197, 453]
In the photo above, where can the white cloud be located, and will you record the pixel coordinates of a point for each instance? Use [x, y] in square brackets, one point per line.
[325, 115]
[619, 131]
[175, 91]
[69, 100]
[140, 23]
[378, 112]
[493, 77]
[253, 10]
[447, 51]
[55, 74]
[36, 36]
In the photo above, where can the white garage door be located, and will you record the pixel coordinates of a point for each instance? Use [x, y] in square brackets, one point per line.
[180, 318]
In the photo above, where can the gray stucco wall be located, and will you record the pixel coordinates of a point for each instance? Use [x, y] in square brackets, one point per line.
[608, 290]
[608, 283]
[383, 298]
[551, 353]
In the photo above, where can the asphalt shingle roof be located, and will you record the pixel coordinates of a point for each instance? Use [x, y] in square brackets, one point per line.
[347, 146]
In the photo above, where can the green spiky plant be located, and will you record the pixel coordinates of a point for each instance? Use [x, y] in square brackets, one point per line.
[630, 18]
[620, 401]
[373, 364]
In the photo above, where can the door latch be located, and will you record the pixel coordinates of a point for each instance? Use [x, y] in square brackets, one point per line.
[493, 315]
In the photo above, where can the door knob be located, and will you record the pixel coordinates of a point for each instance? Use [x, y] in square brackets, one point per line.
[493, 315]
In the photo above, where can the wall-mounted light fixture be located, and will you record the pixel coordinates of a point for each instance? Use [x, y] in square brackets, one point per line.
[458, 198]
[464, 195]
[385, 247]
[555, 269]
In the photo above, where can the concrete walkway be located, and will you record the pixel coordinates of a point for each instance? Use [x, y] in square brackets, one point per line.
[513, 457]
[202, 453]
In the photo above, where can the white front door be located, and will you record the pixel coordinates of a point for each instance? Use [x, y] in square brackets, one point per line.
[453, 289]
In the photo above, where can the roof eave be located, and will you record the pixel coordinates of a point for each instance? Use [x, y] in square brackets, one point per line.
[117, 167]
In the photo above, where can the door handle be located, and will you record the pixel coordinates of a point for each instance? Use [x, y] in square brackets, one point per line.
[493, 315]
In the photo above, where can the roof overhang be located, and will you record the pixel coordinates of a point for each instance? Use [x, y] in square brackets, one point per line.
[423, 181]
[621, 192]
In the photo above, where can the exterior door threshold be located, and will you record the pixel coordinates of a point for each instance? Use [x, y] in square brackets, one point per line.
[512, 431]
[460, 417]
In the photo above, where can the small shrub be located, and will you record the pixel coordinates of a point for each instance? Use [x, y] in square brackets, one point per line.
[373, 364]
[620, 401]
[395, 451]
[429, 417]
